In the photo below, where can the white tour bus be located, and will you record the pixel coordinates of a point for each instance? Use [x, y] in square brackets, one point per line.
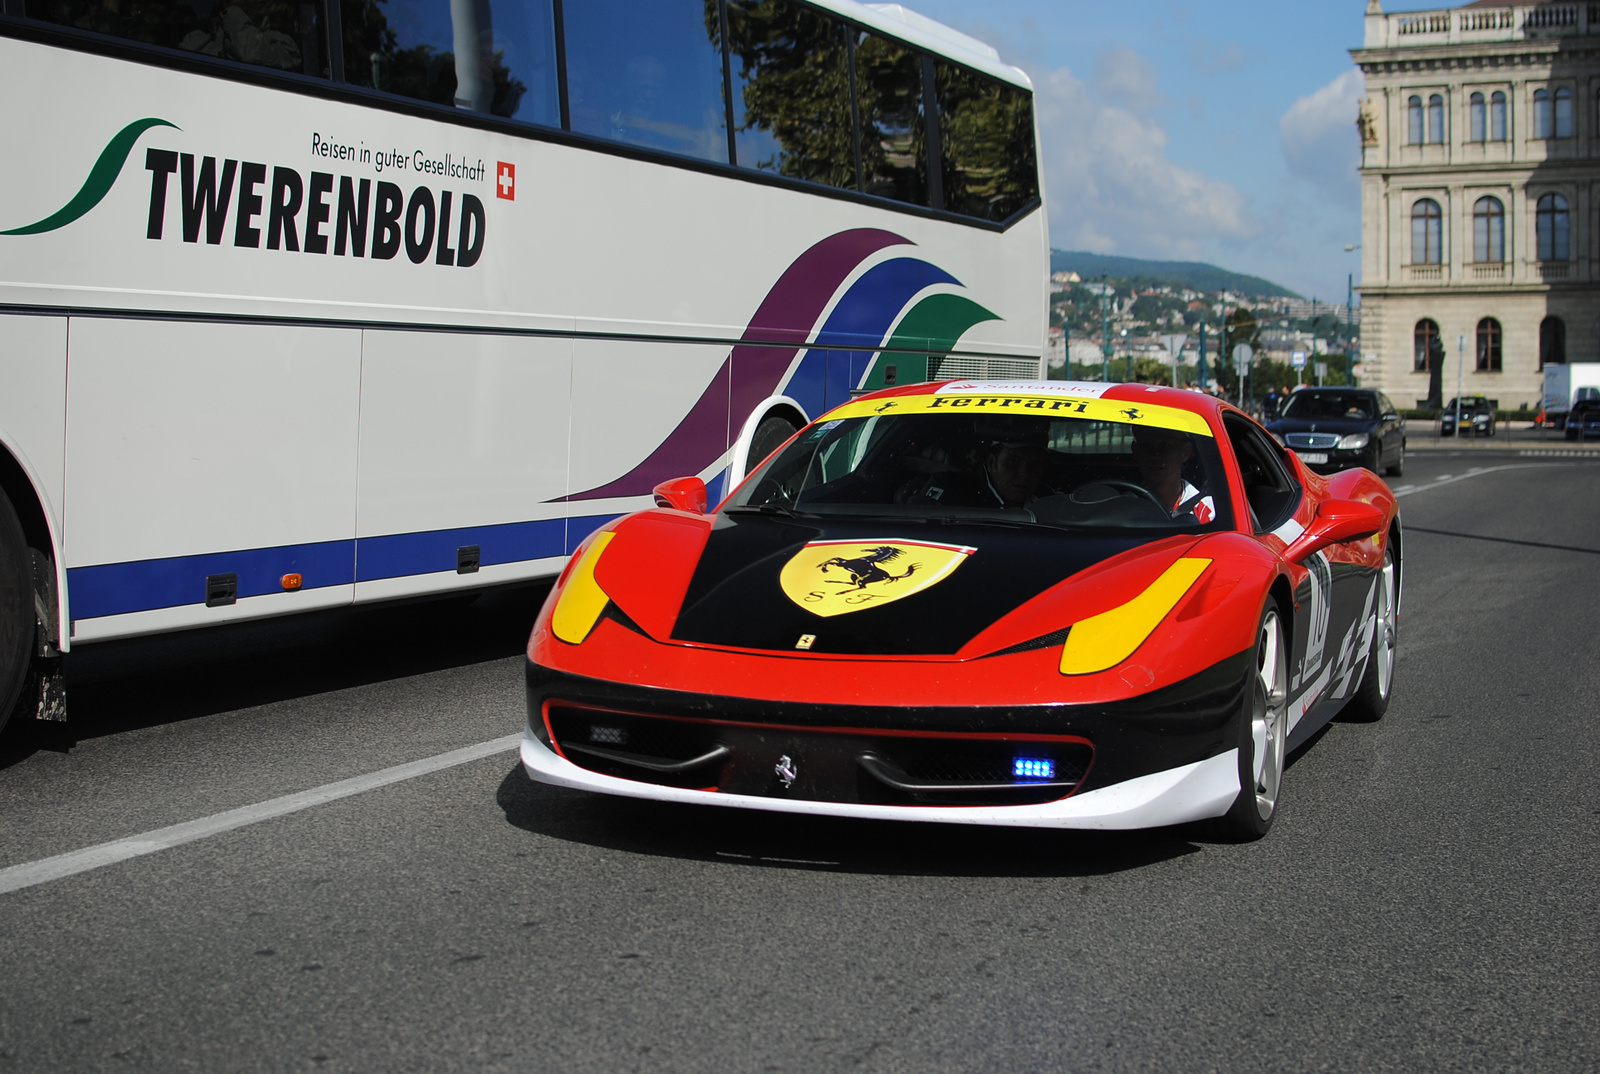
[306, 303]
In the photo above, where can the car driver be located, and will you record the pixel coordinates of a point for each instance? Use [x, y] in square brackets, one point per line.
[1014, 464]
[1161, 455]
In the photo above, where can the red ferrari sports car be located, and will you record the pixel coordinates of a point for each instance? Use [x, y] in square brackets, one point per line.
[1057, 604]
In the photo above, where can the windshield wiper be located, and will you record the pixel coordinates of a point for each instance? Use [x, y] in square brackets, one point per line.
[761, 509]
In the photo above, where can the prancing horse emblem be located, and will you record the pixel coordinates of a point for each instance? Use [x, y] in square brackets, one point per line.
[867, 569]
[786, 770]
[837, 577]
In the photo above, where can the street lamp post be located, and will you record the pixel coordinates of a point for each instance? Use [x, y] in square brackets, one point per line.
[1349, 316]
[1127, 350]
[1105, 332]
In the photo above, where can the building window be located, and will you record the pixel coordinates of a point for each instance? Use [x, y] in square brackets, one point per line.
[1488, 345]
[1426, 340]
[1436, 119]
[1497, 117]
[1480, 119]
[1414, 120]
[1554, 225]
[1563, 116]
[1541, 113]
[1488, 230]
[1427, 232]
[1552, 341]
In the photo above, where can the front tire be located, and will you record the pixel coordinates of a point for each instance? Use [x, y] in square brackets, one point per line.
[1263, 737]
[1371, 699]
[769, 437]
[16, 609]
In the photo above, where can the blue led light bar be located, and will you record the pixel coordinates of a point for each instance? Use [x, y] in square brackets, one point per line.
[1033, 768]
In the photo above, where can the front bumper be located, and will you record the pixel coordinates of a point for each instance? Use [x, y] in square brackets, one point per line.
[1164, 758]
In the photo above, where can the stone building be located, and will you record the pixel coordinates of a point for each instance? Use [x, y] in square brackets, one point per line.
[1480, 177]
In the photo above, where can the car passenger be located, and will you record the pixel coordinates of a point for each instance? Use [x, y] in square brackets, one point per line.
[1014, 465]
[1161, 455]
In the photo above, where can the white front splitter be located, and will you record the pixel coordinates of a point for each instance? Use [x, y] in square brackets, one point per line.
[1174, 796]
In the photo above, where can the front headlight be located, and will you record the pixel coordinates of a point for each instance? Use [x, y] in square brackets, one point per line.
[1106, 640]
[582, 600]
[1354, 442]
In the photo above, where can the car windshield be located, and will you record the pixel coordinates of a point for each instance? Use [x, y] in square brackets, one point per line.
[1028, 470]
[1467, 405]
[1330, 406]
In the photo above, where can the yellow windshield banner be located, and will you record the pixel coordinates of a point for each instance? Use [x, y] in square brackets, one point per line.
[1116, 410]
[829, 578]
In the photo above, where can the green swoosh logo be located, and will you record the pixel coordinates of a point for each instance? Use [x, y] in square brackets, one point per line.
[101, 177]
[933, 326]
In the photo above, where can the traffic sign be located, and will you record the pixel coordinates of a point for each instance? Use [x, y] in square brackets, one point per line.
[1297, 359]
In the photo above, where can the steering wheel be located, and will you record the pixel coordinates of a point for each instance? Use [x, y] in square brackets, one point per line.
[1120, 485]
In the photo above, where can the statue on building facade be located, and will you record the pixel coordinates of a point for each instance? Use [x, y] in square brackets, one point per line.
[1367, 123]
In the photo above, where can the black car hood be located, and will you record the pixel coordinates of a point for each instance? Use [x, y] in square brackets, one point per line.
[735, 597]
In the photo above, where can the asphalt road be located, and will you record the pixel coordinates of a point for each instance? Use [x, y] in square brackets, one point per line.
[1427, 900]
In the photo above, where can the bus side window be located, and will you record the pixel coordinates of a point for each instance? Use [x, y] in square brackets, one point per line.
[791, 91]
[477, 55]
[648, 73]
[986, 142]
[287, 37]
[894, 159]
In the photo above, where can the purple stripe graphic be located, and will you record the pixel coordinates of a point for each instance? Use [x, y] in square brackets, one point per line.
[751, 373]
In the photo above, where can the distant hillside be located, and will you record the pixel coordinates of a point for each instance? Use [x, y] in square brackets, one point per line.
[1192, 274]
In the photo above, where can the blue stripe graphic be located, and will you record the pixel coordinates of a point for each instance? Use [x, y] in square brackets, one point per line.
[144, 585]
[860, 320]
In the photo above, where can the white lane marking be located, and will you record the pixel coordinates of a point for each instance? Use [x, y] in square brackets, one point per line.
[1449, 479]
[28, 874]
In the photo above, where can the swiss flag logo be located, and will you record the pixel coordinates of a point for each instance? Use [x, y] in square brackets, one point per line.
[505, 181]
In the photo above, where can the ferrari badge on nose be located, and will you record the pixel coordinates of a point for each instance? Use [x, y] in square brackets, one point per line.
[835, 577]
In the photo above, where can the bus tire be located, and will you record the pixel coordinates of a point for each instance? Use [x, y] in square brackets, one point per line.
[769, 437]
[16, 609]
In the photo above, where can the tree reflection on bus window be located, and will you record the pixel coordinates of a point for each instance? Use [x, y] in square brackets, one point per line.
[649, 73]
[476, 55]
[279, 34]
[893, 154]
[986, 143]
[791, 91]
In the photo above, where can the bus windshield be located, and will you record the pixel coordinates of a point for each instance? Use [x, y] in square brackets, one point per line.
[1047, 471]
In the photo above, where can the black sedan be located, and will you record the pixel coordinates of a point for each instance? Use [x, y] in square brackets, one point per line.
[1333, 429]
[1477, 416]
[1584, 421]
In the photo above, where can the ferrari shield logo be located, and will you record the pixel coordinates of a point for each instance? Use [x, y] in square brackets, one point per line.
[834, 577]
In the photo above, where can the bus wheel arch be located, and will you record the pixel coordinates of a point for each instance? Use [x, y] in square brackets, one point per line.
[762, 433]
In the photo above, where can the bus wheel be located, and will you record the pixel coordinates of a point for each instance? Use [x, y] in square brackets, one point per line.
[16, 609]
[769, 437]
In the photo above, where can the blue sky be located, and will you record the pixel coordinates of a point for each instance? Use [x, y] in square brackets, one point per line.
[1194, 129]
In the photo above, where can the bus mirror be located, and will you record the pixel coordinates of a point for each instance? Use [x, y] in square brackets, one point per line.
[682, 494]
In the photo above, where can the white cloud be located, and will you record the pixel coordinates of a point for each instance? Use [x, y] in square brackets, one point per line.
[1319, 138]
[1110, 184]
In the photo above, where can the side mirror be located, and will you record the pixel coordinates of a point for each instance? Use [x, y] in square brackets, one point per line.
[682, 494]
[1337, 521]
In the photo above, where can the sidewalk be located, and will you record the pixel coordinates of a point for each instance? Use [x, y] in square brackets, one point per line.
[1519, 436]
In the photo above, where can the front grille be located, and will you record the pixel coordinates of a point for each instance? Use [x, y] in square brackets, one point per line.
[1312, 440]
[833, 765]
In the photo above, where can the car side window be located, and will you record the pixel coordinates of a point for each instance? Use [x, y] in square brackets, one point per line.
[1389, 409]
[1269, 485]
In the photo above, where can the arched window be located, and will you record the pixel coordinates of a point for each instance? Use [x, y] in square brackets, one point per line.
[1426, 340]
[1488, 345]
[1554, 225]
[1427, 233]
[1414, 120]
[1563, 123]
[1480, 119]
[1497, 117]
[1541, 113]
[1436, 119]
[1552, 341]
[1488, 230]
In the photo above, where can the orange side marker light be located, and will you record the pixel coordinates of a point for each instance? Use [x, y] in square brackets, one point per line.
[291, 582]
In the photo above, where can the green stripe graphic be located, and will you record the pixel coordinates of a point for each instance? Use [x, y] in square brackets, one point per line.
[933, 326]
[101, 177]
